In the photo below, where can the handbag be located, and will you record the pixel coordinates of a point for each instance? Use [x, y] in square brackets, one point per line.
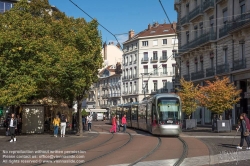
[246, 133]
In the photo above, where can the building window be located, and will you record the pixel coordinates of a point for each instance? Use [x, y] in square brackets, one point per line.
[155, 86]
[124, 88]
[242, 50]
[130, 87]
[132, 46]
[225, 15]
[201, 65]
[130, 73]
[135, 86]
[201, 28]
[145, 56]
[144, 43]
[187, 36]
[173, 65]
[155, 57]
[212, 62]
[146, 86]
[164, 41]
[127, 48]
[126, 59]
[145, 68]
[127, 87]
[164, 54]
[164, 69]
[196, 67]
[155, 70]
[187, 70]
[165, 85]
[211, 19]
[135, 58]
[135, 72]
[131, 58]
[225, 55]
[187, 8]
[242, 7]
[195, 32]
[155, 43]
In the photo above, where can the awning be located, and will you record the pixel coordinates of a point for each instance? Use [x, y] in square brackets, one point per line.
[96, 110]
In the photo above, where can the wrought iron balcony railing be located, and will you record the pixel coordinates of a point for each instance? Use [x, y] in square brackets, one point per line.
[144, 60]
[208, 5]
[196, 12]
[154, 59]
[210, 72]
[223, 68]
[186, 77]
[239, 64]
[197, 75]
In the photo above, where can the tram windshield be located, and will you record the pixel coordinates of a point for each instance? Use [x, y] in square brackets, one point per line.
[168, 110]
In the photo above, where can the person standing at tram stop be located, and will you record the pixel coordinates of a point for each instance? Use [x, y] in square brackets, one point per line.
[243, 127]
[124, 123]
[63, 125]
[12, 126]
[89, 121]
[113, 128]
[56, 123]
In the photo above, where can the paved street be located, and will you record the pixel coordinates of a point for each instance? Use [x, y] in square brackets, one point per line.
[99, 147]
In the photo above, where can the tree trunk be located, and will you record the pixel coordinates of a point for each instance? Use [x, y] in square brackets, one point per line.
[79, 107]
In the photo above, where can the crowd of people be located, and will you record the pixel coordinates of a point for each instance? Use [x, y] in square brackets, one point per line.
[116, 124]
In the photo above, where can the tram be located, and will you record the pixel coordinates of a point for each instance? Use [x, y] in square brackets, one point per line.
[159, 115]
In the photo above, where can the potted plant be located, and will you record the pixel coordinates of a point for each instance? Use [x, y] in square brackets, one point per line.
[218, 96]
[188, 94]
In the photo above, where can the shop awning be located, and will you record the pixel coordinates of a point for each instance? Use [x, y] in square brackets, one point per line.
[96, 110]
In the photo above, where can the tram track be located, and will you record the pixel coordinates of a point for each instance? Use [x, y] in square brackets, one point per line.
[184, 152]
[148, 154]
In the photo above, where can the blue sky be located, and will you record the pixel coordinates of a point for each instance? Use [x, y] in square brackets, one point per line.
[119, 16]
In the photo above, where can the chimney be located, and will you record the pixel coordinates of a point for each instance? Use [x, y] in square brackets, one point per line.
[131, 34]
[174, 25]
[112, 43]
[118, 45]
[149, 26]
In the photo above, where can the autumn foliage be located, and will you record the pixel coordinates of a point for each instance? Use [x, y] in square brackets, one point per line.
[219, 95]
[189, 95]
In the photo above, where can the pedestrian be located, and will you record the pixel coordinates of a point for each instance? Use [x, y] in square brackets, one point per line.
[124, 123]
[83, 122]
[12, 126]
[89, 121]
[6, 124]
[56, 123]
[117, 124]
[113, 128]
[243, 128]
[63, 125]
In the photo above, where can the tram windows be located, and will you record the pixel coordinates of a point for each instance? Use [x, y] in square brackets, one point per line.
[154, 115]
[134, 113]
[168, 110]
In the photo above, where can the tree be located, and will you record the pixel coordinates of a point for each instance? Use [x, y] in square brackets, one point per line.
[188, 94]
[219, 95]
[47, 54]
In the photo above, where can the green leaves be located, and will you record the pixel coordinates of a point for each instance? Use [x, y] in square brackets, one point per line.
[46, 55]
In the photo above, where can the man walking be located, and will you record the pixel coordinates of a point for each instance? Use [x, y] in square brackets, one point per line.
[89, 120]
[12, 126]
[124, 123]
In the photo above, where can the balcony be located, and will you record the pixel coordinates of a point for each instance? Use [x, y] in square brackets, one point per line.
[104, 105]
[126, 64]
[197, 75]
[115, 95]
[208, 5]
[135, 76]
[130, 63]
[144, 60]
[135, 62]
[210, 72]
[184, 20]
[135, 92]
[163, 59]
[240, 20]
[204, 38]
[154, 91]
[223, 68]
[155, 74]
[225, 29]
[186, 77]
[220, 1]
[154, 59]
[164, 74]
[195, 13]
[239, 64]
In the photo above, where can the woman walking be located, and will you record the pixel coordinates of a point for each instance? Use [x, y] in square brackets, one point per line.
[113, 128]
[12, 126]
[124, 123]
[117, 124]
[56, 123]
[63, 125]
[243, 128]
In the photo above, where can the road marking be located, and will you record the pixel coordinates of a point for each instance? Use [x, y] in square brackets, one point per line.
[224, 157]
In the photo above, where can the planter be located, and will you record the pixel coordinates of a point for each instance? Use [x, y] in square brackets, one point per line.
[190, 123]
[221, 125]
